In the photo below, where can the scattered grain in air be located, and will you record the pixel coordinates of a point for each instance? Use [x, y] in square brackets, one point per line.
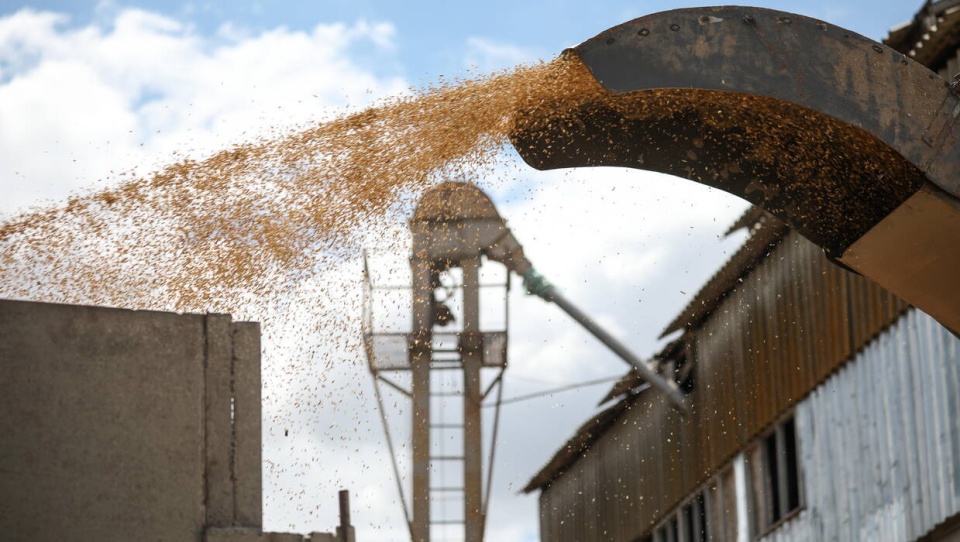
[248, 227]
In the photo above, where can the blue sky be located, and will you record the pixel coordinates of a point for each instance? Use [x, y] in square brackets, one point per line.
[432, 37]
[89, 89]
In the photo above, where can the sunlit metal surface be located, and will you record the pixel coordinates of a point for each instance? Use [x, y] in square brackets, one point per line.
[880, 440]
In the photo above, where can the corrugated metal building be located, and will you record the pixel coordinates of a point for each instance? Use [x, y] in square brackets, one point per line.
[823, 407]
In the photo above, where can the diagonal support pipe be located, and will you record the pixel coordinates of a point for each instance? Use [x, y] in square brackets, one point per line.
[507, 250]
[539, 286]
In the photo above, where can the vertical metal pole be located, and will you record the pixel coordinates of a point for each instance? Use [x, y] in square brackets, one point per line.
[345, 530]
[472, 353]
[420, 352]
[344, 508]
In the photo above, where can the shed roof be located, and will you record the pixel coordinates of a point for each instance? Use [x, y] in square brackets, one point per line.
[931, 36]
[633, 379]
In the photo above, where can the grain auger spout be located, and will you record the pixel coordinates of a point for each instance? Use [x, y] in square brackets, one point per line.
[848, 141]
[507, 250]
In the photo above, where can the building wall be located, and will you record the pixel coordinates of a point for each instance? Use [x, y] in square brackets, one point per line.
[794, 320]
[880, 441]
[120, 425]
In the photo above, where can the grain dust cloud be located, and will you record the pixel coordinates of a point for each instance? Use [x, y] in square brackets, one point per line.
[250, 222]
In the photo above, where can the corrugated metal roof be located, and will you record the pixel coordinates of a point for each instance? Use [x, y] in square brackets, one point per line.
[625, 385]
[753, 219]
[930, 34]
[746, 348]
[749, 220]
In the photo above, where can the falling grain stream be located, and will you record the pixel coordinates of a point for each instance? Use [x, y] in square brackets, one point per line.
[250, 222]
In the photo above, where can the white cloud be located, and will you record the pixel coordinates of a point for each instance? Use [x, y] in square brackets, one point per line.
[615, 233]
[77, 103]
[488, 55]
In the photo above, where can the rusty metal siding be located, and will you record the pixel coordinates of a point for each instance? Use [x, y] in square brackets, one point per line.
[563, 507]
[589, 494]
[652, 479]
[717, 379]
[795, 319]
[617, 505]
[791, 323]
[880, 440]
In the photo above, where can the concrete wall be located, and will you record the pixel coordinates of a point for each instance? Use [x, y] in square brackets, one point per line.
[126, 425]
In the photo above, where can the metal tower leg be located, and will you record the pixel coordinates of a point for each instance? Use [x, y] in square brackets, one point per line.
[420, 354]
[472, 349]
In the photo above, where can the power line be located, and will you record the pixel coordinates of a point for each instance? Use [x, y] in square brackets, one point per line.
[560, 389]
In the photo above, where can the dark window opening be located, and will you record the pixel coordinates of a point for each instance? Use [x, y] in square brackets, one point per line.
[689, 524]
[700, 535]
[775, 474]
[683, 374]
[793, 469]
[773, 468]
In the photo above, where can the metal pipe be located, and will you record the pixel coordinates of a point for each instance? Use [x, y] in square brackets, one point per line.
[539, 286]
[507, 250]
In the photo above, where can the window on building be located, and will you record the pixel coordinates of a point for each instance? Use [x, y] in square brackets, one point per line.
[684, 373]
[695, 519]
[687, 524]
[775, 476]
[721, 507]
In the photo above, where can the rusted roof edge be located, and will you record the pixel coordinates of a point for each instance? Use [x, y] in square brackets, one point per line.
[765, 234]
[931, 39]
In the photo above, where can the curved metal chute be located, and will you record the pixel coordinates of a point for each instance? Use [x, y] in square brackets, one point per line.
[850, 142]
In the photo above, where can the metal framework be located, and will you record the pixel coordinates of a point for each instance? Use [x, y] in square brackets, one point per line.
[451, 227]
[454, 227]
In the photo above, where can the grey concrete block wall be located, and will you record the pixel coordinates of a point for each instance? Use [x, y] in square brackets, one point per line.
[248, 457]
[243, 534]
[126, 425]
